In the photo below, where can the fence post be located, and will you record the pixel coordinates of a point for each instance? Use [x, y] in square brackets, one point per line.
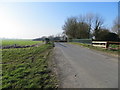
[107, 45]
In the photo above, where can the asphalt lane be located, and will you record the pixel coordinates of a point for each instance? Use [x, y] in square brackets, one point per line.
[81, 67]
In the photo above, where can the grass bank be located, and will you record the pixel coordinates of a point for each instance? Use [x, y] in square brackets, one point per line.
[107, 51]
[27, 68]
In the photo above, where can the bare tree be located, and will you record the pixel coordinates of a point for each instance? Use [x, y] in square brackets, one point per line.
[98, 23]
[116, 26]
[81, 18]
[89, 20]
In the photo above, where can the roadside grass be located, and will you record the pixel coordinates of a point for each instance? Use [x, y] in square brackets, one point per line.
[114, 46]
[19, 42]
[27, 68]
[107, 51]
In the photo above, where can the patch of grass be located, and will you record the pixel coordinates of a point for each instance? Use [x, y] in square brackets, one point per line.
[112, 52]
[27, 68]
[19, 42]
[114, 46]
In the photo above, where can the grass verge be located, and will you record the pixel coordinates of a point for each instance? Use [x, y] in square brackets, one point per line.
[27, 68]
[106, 51]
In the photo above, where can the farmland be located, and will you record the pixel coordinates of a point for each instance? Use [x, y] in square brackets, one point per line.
[19, 42]
[26, 67]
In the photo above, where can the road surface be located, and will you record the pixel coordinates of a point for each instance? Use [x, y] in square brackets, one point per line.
[79, 67]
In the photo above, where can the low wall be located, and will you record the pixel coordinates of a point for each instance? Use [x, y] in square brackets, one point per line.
[86, 41]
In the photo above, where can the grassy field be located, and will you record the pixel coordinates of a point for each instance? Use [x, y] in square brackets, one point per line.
[19, 42]
[27, 67]
[112, 52]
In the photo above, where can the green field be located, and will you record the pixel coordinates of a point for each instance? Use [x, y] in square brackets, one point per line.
[19, 42]
[27, 67]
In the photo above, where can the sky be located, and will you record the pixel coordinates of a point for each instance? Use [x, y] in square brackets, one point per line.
[29, 20]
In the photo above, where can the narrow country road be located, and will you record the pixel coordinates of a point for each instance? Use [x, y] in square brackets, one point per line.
[79, 67]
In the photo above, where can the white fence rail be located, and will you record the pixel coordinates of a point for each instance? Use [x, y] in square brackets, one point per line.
[104, 44]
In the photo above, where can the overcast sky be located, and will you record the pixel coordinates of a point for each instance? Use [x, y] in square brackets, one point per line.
[27, 20]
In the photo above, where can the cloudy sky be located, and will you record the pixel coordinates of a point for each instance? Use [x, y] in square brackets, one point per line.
[27, 20]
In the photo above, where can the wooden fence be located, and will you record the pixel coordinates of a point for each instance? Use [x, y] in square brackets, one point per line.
[104, 44]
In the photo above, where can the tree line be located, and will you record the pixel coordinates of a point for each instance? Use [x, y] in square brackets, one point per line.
[90, 26]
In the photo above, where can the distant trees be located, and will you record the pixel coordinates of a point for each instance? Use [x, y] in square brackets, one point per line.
[75, 29]
[40, 39]
[101, 34]
[70, 27]
[47, 40]
[89, 26]
[105, 35]
[116, 26]
[83, 30]
[112, 37]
